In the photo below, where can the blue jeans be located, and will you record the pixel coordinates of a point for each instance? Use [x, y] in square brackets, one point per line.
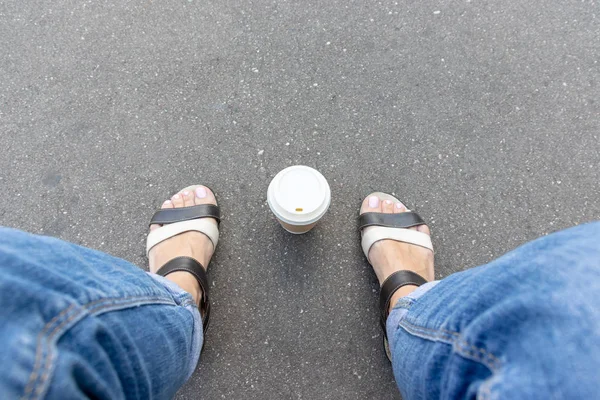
[525, 326]
[77, 323]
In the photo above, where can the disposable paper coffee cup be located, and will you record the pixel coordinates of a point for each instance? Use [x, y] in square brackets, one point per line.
[298, 197]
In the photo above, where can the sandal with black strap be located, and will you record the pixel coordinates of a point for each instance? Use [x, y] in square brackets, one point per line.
[175, 221]
[377, 226]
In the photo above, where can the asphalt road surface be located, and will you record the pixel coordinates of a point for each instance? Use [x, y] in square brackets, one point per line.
[483, 116]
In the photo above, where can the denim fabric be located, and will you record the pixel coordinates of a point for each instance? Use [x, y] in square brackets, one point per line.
[525, 326]
[77, 323]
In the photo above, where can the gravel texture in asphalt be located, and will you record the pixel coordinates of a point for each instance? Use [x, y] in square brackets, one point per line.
[483, 116]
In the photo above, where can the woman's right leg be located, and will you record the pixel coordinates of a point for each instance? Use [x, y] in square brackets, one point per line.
[524, 326]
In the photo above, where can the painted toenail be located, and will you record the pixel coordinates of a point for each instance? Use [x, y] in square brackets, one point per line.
[373, 201]
[399, 206]
[388, 202]
[201, 192]
[167, 201]
[186, 193]
[176, 196]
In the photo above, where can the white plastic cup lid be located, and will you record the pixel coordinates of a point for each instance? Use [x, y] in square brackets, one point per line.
[299, 195]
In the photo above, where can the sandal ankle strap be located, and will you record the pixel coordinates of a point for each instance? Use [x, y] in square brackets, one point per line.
[392, 283]
[188, 264]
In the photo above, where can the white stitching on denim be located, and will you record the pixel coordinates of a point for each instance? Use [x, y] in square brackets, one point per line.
[463, 347]
[485, 391]
[460, 340]
[38, 353]
[89, 306]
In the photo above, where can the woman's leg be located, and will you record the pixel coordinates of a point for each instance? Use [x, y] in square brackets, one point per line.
[524, 326]
[77, 323]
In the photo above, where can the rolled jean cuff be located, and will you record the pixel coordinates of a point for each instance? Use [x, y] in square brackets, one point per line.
[401, 309]
[185, 300]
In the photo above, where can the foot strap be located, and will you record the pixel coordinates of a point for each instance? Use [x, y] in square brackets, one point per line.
[179, 220]
[379, 226]
[394, 282]
[188, 264]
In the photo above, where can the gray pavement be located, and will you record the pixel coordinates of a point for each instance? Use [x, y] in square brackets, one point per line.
[483, 116]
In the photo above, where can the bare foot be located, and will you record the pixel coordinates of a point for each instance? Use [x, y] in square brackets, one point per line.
[389, 256]
[190, 244]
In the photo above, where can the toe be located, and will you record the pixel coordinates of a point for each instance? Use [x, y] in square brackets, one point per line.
[166, 204]
[399, 208]
[177, 200]
[423, 228]
[204, 195]
[387, 207]
[188, 198]
[371, 203]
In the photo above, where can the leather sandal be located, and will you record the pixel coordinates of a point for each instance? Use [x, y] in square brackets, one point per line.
[179, 220]
[375, 226]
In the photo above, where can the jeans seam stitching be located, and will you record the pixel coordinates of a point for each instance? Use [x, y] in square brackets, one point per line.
[463, 347]
[44, 376]
[33, 378]
[485, 392]
[405, 304]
